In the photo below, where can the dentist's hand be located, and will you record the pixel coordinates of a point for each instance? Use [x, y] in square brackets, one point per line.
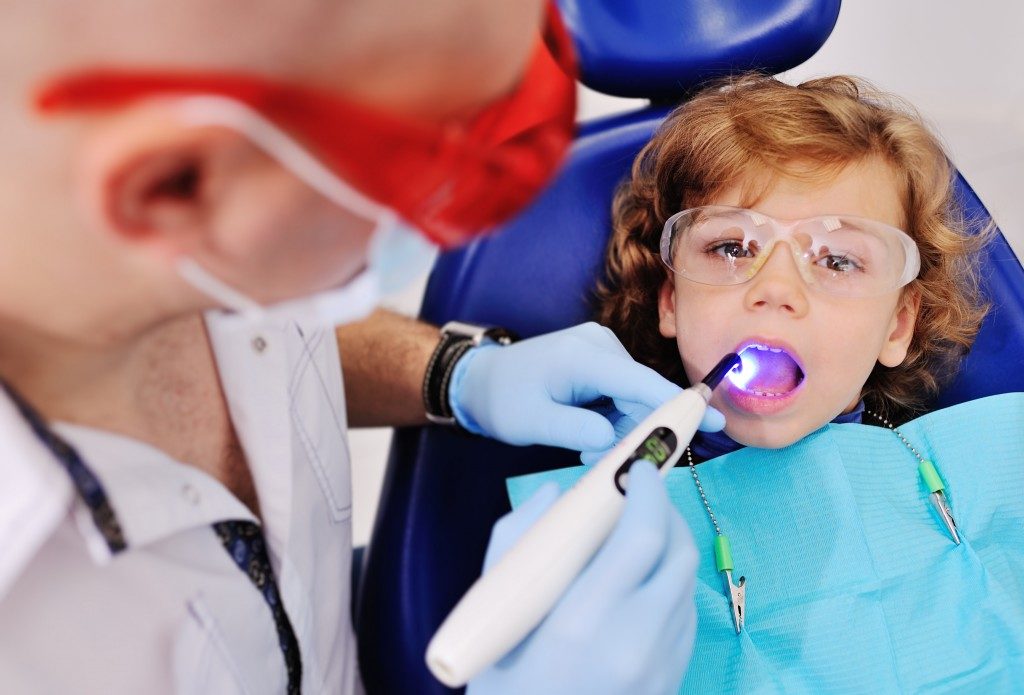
[532, 392]
[627, 623]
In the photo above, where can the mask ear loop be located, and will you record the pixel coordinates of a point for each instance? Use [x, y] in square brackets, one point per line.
[218, 290]
[228, 113]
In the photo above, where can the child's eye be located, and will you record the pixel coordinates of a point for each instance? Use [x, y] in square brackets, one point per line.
[730, 249]
[839, 264]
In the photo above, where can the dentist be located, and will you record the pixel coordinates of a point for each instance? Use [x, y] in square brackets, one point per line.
[196, 195]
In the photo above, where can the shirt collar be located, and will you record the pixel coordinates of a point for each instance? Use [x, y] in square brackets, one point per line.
[153, 495]
[34, 497]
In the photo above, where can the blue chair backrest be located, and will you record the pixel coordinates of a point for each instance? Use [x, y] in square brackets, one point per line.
[442, 490]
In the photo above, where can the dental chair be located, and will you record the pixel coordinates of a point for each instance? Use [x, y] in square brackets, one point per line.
[443, 490]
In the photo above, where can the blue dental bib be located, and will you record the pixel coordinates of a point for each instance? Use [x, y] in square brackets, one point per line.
[853, 583]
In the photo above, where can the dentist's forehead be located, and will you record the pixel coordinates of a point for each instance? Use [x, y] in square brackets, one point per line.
[428, 59]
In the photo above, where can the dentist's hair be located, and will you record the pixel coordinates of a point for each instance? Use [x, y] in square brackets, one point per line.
[752, 130]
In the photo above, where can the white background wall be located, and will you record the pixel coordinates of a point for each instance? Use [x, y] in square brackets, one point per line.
[959, 62]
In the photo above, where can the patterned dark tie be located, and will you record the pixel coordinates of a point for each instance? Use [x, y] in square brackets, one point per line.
[243, 540]
[245, 544]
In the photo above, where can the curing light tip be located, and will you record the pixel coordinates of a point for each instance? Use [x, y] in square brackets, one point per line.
[725, 365]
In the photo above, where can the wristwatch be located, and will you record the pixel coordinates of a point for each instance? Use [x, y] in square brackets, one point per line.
[457, 338]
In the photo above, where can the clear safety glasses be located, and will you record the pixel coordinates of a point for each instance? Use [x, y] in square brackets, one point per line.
[839, 254]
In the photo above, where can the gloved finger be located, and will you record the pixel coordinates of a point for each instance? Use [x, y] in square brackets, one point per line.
[625, 420]
[713, 421]
[589, 458]
[636, 544]
[678, 568]
[632, 412]
[685, 635]
[570, 427]
[668, 591]
[622, 424]
[509, 528]
[660, 606]
[618, 377]
[680, 643]
[600, 337]
[675, 658]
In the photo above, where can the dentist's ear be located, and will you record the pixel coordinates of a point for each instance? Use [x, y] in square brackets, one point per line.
[151, 182]
[667, 309]
[901, 329]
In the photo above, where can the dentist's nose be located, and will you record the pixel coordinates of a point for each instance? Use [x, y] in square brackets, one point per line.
[778, 285]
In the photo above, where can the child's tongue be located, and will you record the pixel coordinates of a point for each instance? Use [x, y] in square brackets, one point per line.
[777, 373]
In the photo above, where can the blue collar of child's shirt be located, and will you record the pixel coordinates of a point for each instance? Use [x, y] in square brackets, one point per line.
[709, 445]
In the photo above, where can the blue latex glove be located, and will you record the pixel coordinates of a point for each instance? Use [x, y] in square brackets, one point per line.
[627, 623]
[531, 392]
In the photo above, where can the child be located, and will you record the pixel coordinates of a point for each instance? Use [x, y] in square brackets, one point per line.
[828, 146]
[813, 230]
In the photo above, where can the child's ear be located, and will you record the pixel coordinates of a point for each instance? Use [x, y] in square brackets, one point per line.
[901, 329]
[667, 309]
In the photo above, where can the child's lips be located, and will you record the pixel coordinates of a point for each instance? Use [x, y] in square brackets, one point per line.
[758, 404]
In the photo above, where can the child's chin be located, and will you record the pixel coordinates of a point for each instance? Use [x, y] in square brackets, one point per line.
[767, 437]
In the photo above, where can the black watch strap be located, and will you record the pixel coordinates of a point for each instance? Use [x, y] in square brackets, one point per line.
[457, 339]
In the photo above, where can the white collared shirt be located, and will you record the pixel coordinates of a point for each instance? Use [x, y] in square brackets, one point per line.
[173, 613]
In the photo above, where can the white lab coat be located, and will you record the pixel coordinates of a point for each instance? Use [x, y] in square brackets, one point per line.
[173, 613]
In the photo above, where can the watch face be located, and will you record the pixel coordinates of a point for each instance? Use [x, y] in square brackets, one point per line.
[478, 333]
[464, 330]
[501, 336]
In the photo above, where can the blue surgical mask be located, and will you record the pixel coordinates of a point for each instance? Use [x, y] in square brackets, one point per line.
[399, 255]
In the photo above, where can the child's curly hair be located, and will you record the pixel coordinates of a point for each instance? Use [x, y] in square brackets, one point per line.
[752, 129]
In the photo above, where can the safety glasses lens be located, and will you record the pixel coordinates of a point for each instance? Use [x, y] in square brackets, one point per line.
[842, 255]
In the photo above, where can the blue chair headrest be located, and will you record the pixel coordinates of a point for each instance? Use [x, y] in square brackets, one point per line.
[662, 49]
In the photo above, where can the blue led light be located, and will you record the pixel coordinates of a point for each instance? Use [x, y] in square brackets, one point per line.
[747, 370]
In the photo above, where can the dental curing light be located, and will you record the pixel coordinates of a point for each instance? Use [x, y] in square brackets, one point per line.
[747, 371]
[511, 599]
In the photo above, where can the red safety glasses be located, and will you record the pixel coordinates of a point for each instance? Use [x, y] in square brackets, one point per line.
[452, 181]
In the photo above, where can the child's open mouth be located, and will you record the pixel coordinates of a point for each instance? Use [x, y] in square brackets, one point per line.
[769, 375]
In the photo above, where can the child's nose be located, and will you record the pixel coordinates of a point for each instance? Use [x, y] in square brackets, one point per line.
[778, 284]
